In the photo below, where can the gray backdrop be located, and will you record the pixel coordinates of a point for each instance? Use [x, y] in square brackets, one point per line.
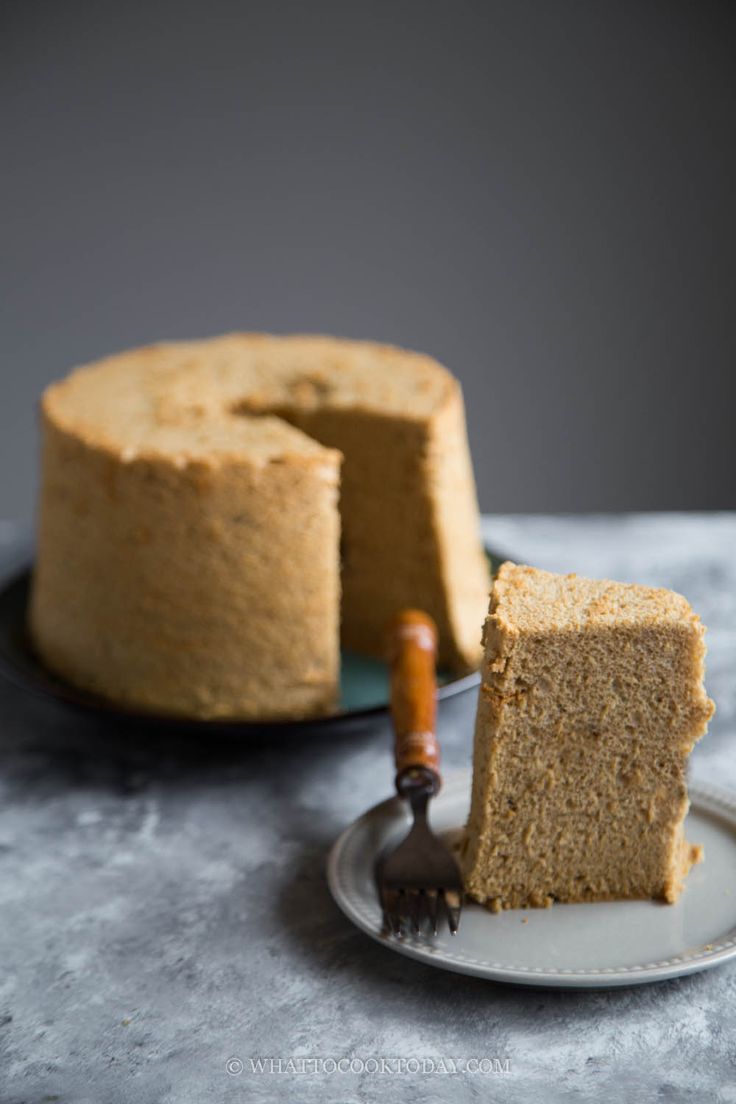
[540, 194]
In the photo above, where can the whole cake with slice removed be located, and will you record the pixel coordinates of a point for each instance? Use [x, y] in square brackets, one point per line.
[591, 701]
[213, 511]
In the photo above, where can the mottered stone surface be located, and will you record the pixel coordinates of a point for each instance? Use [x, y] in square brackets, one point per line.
[164, 914]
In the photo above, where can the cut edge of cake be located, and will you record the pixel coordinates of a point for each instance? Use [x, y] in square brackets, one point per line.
[534, 621]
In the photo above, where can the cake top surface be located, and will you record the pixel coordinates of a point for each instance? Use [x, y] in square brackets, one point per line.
[528, 600]
[223, 395]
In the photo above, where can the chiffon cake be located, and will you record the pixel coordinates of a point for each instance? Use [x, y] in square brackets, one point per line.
[591, 701]
[215, 515]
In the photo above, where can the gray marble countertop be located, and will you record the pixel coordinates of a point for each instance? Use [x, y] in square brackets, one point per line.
[164, 907]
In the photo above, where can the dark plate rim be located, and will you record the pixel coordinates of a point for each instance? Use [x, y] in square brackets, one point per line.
[51, 687]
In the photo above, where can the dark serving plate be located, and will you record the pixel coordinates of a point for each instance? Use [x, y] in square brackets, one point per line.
[363, 684]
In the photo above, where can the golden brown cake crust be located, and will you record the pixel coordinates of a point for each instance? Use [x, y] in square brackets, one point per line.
[591, 701]
[189, 534]
[203, 399]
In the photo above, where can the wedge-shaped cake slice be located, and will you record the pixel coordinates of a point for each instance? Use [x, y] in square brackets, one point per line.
[591, 701]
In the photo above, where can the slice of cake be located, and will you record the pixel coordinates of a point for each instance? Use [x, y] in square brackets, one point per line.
[205, 505]
[591, 701]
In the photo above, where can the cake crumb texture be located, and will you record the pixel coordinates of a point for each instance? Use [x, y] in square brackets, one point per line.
[591, 701]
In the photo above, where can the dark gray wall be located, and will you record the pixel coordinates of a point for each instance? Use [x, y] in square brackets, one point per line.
[540, 194]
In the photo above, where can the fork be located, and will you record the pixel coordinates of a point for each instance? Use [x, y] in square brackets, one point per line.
[420, 875]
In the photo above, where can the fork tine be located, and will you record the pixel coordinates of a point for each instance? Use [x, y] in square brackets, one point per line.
[404, 911]
[383, 901]
[415, 909]
[452, 902]
[430, 896]
[389, 904]
[394, 921]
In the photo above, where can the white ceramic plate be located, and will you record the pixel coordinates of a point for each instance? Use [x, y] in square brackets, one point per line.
[569, 946]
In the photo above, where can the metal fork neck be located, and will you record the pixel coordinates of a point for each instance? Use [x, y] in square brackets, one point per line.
[417, 785]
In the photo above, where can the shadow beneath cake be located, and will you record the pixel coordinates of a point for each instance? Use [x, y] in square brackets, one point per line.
[69, 747]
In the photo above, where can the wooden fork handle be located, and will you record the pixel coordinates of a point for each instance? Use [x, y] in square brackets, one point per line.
[412, 656]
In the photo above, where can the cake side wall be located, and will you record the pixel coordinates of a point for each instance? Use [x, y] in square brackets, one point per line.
[180, 588]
